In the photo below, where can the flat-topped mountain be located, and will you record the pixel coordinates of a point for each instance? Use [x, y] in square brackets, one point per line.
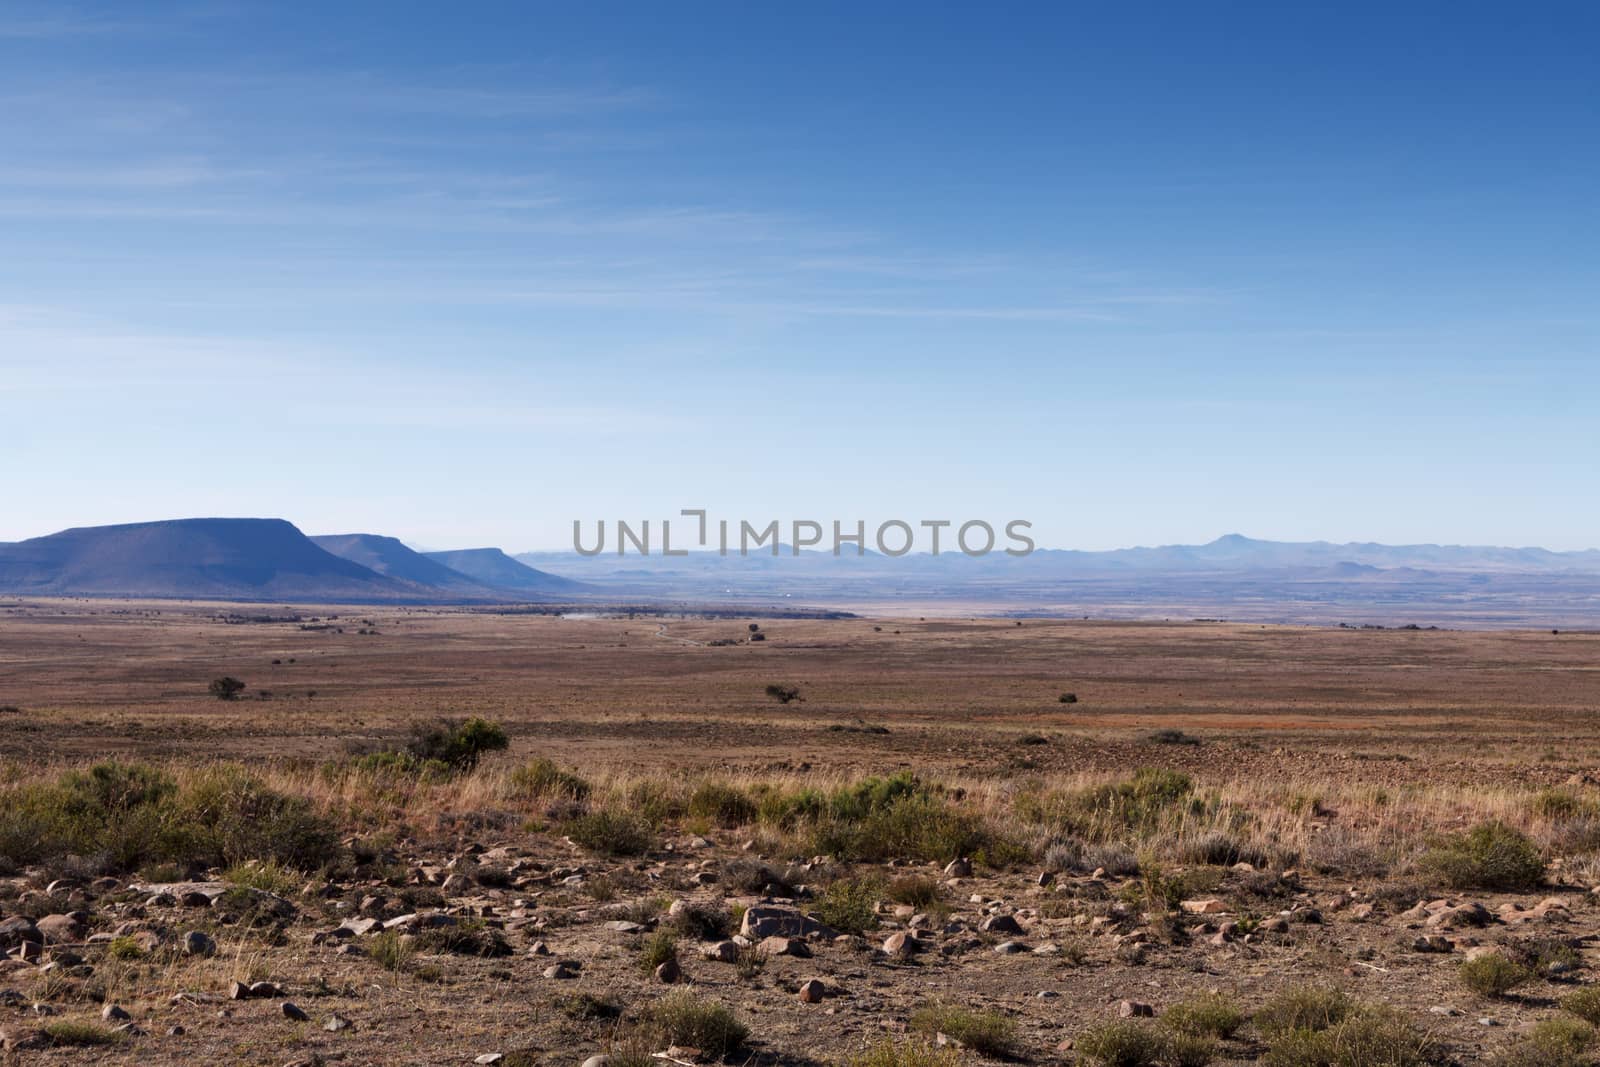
[200, 558]
[391, 558]
[494, 568]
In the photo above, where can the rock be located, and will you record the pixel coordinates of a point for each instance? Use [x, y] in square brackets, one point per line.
[597, 1061]
[669, 972]
[238, 991]
[784, 946]
[561, 971]
[63, 929]
[1045, 879]
[194, 898]
[19, 930]
[958, 868]
[538, 948]
[1133, 1009]
[769, 920]
[337, 1022]
[1433, 943]
[1010, 948]
[901, 945]
[489, 1058]
[1208, 906]
[199, 943]
[1275, 925]
[291, 1010]
[24, 1040]
[1460, 917]
[113, 1013]
[1000, 924]
[812, 991]
[622, 926]
[721, 952]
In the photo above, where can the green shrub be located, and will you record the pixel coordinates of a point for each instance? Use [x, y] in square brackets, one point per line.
[849, 905]
[1554, 1042]
[1131, 1044]
[611, 833]
[683, 1018]
[226, 688]
[125, 948]
[469, 937]
[541, 779]
[1365, 1037]
[1585, 1004]
[985, 1032]
[458, 745]
[1209, 1015]
[916, 890]
[1303, 1008]
[658, 948]
[390, 950]
[1489, 856]
[890, 1053]
[70, 1034]
[269, 877]
[722, 805]
[1493, 974]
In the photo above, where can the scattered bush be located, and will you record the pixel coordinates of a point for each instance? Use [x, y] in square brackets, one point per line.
[457, 745]
[682, 1018]
[1210, 1015]
[1068, 698]
[849, 905]
[1490, 856]
[1171, 736]
[985, 1032]
[1585, 1004]
[67, 1033]
[1554, 1042]
[611, 833]
[1303, 1008]
[702, 922]
[784, 694]
[390, 950]
[890, 1053]
[226, 688]
[1365, 1036]
[658, 948]
[541, 779]
[1131, 1044]
[722, 805]
[469, 937]
[918, 891]
[1493, 974]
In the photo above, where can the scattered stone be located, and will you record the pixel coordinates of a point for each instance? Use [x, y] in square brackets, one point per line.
[958, 868]
[1133, 1009]
[17, 931]
[561, 971]
[337, 1022]
[113, 1013]
[784, 946]
[291, 1010]
[812, 991]
[63, 929]
[489, 1058]
[538, 948]
[199, 943]
[721, 952]
[1000, 924]
[597, 1061]
[1209, 906]
[901, 945]
[669, 972]
[622, 926]
[768, 920]
[24, 1040]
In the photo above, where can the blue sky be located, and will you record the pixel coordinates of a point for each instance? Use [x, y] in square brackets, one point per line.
[1138, 273]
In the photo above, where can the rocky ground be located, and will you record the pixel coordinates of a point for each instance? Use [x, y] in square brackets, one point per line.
[530, 950]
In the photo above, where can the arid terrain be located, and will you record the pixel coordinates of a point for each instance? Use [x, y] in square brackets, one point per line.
[984, 840]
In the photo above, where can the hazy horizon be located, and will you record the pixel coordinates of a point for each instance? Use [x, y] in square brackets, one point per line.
[1137, 276]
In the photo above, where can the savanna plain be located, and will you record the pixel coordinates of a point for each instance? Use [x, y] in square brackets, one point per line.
[248, 834]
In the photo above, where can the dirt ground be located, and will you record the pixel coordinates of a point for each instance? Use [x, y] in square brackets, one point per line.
[85, 679]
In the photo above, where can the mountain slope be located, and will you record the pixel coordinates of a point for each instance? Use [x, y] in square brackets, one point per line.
[494, 568]
[229, 558]
[389, 557]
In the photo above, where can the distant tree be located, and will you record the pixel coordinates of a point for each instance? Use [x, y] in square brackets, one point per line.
[226, 687]
[458, 745]
[1069, 698]
[754, 627]
[784, 694]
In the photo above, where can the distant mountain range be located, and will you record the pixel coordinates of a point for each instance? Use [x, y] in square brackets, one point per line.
[1234, 576]
[246, 559]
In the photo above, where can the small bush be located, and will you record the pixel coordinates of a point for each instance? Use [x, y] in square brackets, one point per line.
[226, 688]
[1171, 736]
[1068, 698]
[849, 905]
[682, 1018]
[390, 950]
[722, 805]
[1554, 1042]
[702, 922]
[1303, 1008]
[890, 1053]
[1132, 1044]
[1211, 1015]
[1490, 856]
[784, 694]
[269, 877]
[1366, 1037]
[1494, 975]
[1585, 1004]
[458, 745]
[469, 937]
[69, 1034]
[916, 890]
[611, 833]
[541, 779]
[985, 1032]
[658, 948]
[125, 948]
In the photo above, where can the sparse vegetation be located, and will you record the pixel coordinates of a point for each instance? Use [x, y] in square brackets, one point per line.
[683, 1017]
[1210, 1015]
[226, 687]
[612, 833]
[849, 905]
[985, 1032]
[784, 694]
[1489, 856]
[1493, 974]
